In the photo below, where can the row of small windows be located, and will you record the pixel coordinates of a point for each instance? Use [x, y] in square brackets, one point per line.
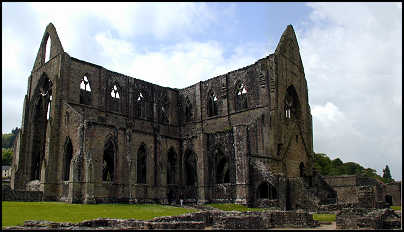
[212, 107]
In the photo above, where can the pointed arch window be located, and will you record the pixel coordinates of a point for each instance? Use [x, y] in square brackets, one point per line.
[212, 104]
[47, 49]
[190, 168]
[115, 104]
[241, 97]
[140, 105]
[141, 165]
[188, 110]
[292, 105]
[85, 91]
[163, 112]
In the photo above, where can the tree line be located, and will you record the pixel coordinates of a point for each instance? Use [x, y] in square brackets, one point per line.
[7, 142]
[327, 167]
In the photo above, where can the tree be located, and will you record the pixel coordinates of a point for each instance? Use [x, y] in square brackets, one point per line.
[387, 175]
[7, 156]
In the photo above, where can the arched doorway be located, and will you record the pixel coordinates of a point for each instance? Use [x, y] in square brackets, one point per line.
[222, 168]
[266, 191]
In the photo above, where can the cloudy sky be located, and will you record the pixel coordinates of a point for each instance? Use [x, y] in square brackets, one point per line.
[352, 56]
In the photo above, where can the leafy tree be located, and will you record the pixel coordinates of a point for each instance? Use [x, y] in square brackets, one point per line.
[7, 156]
[9, 138]
[387, 175]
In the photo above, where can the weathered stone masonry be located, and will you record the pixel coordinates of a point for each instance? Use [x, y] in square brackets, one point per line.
[239, 137]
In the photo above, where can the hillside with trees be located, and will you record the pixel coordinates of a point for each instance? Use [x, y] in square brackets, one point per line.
[327, 167]
[7, 143]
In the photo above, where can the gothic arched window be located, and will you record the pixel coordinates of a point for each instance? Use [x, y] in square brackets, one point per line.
[163, 112]
[212, 104]
[85, 91]
[241, 97]
[115, 98]
[140, 105]
[292, 105]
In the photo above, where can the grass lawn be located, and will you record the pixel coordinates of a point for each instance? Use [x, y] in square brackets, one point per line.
[396, 207]
[324, 217]
[235, 207]
[15, 213]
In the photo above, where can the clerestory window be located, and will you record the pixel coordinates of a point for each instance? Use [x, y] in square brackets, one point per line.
[241, 97]
[85, 91]
[212, 104]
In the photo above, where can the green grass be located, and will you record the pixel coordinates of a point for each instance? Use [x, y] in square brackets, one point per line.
[15, 213]
[396, 207]
[235, 207]
[324, 217]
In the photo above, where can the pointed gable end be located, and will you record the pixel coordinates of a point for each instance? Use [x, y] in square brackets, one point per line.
[55, 46]
[289, 47]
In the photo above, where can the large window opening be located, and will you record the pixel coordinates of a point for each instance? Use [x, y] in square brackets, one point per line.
[115, 98]
[212, 104]
[108, 162]
[141, 165]
[171, 167]
[47, 49]
[163, 112]
[241, 96]
[140, 106]
[85, 91]
[68, 158]
[292, 105]
[40, 116]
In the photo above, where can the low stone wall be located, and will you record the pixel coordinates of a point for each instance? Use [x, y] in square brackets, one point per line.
[200, 220]
[362, 218]
[11, 195]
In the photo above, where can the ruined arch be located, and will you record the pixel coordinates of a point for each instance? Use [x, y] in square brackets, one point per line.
[109, 160]
[212, 104]
[172, 166]
[240, 100]
[190, 166]
[140, 104]
[292, 104]
[68, 155]
[54, 49]
[141, 164]
[40, 108]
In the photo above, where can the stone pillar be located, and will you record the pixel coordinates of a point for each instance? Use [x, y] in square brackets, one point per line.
[89, 196]
[201, 168]
[241, 163]
[76, 167]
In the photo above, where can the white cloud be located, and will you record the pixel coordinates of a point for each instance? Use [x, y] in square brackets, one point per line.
[352, 54]
[176, 66]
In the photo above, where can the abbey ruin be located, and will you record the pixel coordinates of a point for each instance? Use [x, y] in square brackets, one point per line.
[92, 135]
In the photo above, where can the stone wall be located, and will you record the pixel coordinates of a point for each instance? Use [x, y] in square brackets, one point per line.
[213, 219]
[16, 195]
[362, 218]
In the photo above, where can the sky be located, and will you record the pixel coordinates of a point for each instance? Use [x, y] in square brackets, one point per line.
[351, 53]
